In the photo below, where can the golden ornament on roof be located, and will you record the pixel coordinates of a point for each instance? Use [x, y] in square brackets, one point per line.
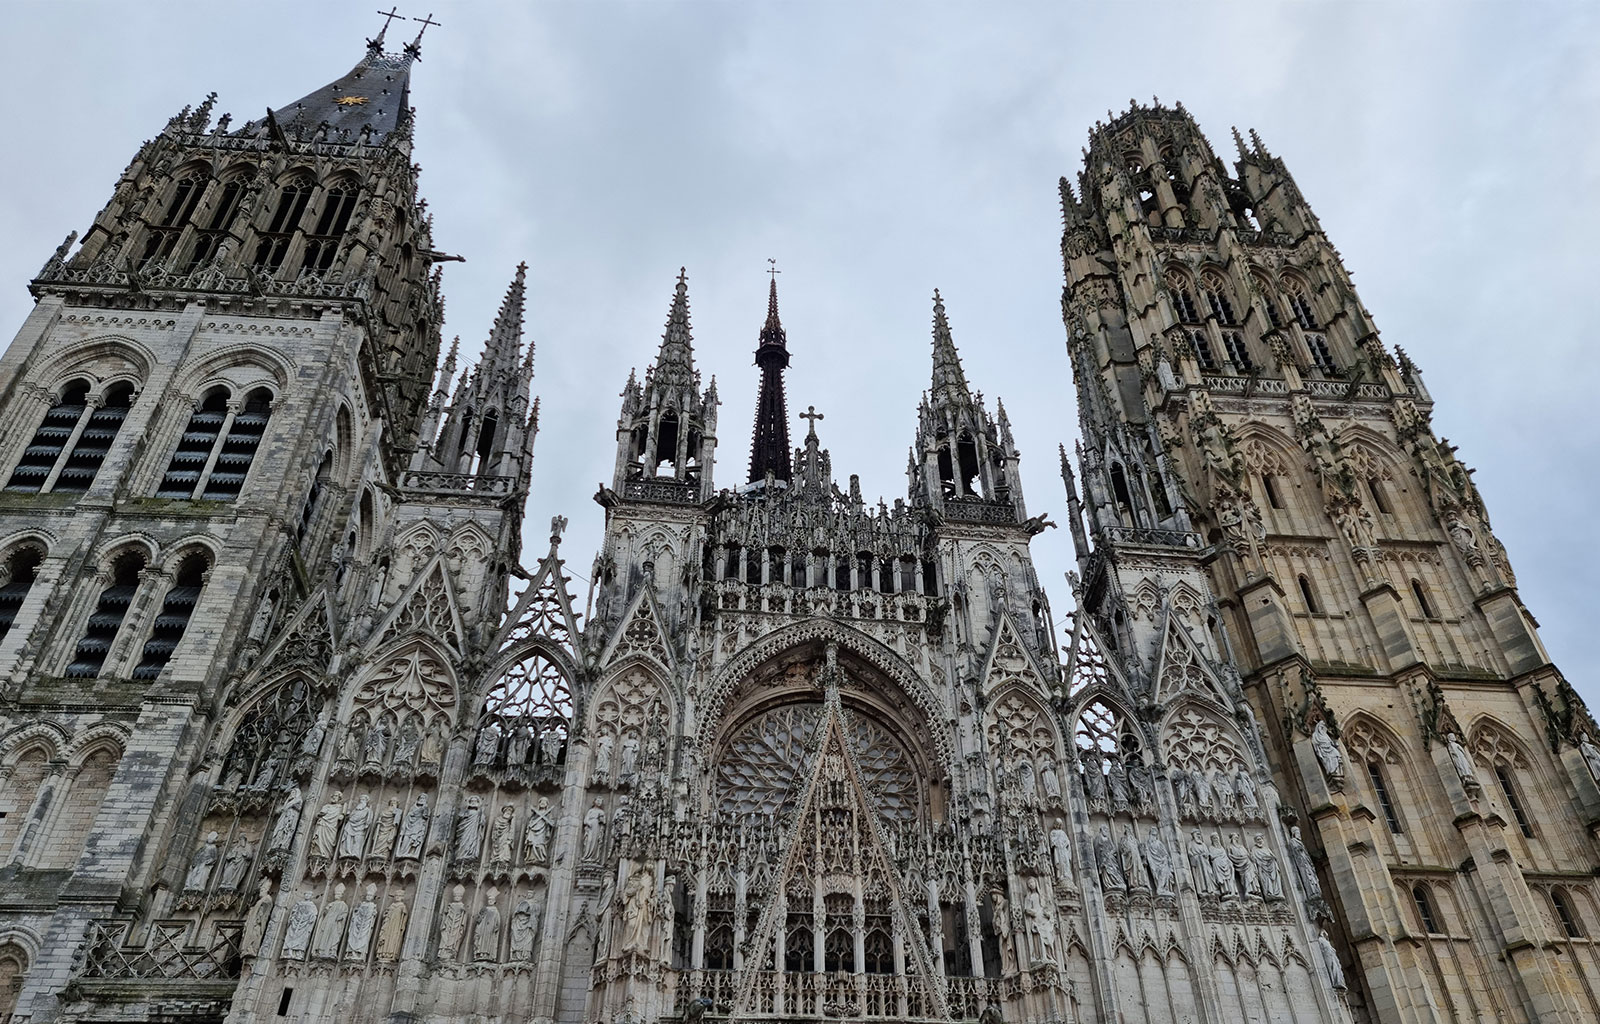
[350, 101]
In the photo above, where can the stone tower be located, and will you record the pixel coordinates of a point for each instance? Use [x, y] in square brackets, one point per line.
[1260, 481]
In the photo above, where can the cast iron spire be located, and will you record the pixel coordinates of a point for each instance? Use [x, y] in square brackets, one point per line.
[769, 450]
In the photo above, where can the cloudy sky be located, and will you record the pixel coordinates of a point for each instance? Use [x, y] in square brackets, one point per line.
[878, 151]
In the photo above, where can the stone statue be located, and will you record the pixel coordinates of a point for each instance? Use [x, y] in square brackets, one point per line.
[453, 926]
[432, 751]
[1591, 755]
[1132, 862]
[302, 918]
[1004, 930]
[1105, 858]
[550, 746]
[1159, 861]
[330, 929]
[1244, 869]
[603, 747]
[1183, 791]
[325, 829]
[518, 745]
[1061, 855]
[469, 830]
[1249, 799]
[1462, 760]
[1330, 961]
[638, 913]
[392, 932]
[504, 836]
[255, 922]
[1202, 791]
[1139, 781]
[386, 829]
[1267, 871]
[524, 928]
[594, 831]
[201, 865]
[1094, 782]
[362, 920]
[1041, 926]
[488, 743]
[486, 929]
[1222, 869]
[1222, 794]
[351, 745]
[1117, 785]
[536, 837]
[1027, 781]
[283, 828]
[1327, 753]
[1200, 865]
[413, 831]
[353, 837]
[1050, 781]
[630, 756]
[1303, 868]
[376, 745]
[311, 742]
[236, 863]
[409, 740]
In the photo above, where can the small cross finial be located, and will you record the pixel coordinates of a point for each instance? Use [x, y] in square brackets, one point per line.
[772, 268]
[426, 23]
[389, 17]
[813, 415]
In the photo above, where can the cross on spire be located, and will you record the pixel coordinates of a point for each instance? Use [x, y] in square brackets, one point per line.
[813, 415]
[415, 46]
[772, 269]
[375, 44]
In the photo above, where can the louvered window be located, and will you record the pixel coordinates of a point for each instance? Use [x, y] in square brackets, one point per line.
[1233, 341]
[94, 440]
[214, 455]
[106, 619]
[1202, 352]
[173, 619]
[322, 244]
[50, 440]
[21, 569]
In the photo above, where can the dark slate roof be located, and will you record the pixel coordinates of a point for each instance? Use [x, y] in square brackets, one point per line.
[376, 92]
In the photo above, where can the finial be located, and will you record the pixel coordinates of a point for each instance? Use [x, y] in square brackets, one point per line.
[813, 415]
[375, 45]
[413, 49]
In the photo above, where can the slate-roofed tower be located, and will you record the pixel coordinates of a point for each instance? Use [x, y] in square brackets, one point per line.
[1257, 464]
[769, 444]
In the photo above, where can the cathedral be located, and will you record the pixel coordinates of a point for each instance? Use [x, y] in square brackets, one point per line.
[292, 729]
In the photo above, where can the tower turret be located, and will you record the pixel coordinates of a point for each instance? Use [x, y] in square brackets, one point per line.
[769, 445]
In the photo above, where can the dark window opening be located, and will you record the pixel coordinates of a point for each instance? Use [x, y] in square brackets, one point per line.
[886, 575]
[1119, 489]
[40, 457]
[775, 564]
[1569, 921]
[322, 245]
[106, 619]
[21, 569]
[719, 948]
[1375, 488]
[486, 440]
[1300, 306]
[216, 229]
[173, 619]
[1381, 790]
[864, 570]
[798, 570]
[1423, 607]
[1321, 355]
[1430, 923]
[841, 572]
[94, 440]
[878, 952]
[1238, 352]
[283, 1002]
[275, 239]
[667, 440]
[947, 472]
[798, 947]
[1509, 788]
[752, 566]
[930, 578]
[1183, 299]
[967, 453]
[839, 953]
[1217, 299]
[194, 447]
[1308, 595]
[164, 235]
[1270, 486]
[308, 510]
[1202, 352]
[238, 449]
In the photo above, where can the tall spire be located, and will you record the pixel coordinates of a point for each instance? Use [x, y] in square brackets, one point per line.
[948, 378]
[675, 361]
[769, 449]
[503, 349]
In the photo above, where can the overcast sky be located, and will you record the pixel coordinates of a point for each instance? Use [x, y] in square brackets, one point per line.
[878, 151]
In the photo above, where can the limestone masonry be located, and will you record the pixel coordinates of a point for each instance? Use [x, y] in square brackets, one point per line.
[273, 747]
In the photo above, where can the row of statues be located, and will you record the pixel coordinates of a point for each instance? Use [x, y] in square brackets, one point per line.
[509, 745]
[1217, 794]
[1115, 787]
[333, 931]
[503, 835]
[486, 928]
[235, 864]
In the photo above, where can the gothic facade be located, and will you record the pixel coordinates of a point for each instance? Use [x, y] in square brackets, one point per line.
[288, 732]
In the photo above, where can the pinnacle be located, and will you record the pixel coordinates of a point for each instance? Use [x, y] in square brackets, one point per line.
[948, 377]
[675, 361]
[504, 346]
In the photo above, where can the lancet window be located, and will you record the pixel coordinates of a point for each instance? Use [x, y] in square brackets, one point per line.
[270, 737]
[105, 622]
[322, 242]
[72, 440]
[215, 452]
[209, 238]
[17, 576]
[293, 198]
[533, 700]
[166, 231]
[177, 606]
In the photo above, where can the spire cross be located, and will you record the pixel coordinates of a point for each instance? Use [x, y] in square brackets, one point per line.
[813, 415]
[387, 18]
[425, 23]
[772, 269]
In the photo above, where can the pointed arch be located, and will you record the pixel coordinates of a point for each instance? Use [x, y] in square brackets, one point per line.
[1197, 736]
[428, 607]
[110, 736]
